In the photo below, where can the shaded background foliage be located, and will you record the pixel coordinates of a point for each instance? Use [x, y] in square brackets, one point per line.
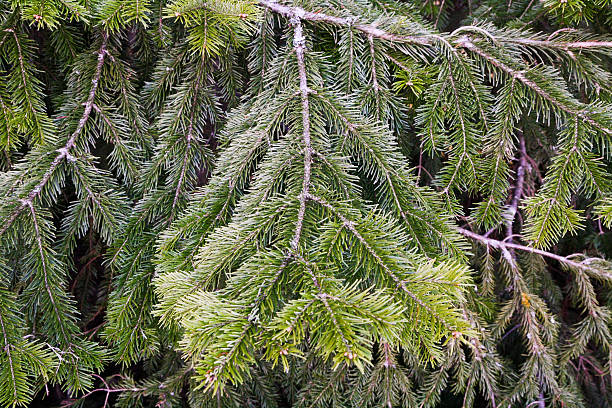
[141, 139]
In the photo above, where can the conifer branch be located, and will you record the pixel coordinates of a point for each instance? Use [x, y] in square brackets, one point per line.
[46, 283]
[189, 134]
[388, 172]
[299, 44]
[350, 226]
[504, 245]
[7, 350]
[367, 29]
[309, 247]
[468, 44]
[426, 39]
[64, 152]
[25, 83]
[323, 297]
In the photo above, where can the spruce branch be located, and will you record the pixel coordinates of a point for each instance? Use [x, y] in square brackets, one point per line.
[350, 226]
[367, 29]
[231, 199]
[504, 245]
[39, 241]
[25, 90]
[63, 152]
[428, 39]
[11, 365]
[188, 137]
[299, 44]
[467, 43]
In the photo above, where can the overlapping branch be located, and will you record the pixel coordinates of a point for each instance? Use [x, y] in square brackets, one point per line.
[63, 152]
[519, 75]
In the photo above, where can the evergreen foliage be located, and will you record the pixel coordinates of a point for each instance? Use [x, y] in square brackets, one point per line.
[305, 204]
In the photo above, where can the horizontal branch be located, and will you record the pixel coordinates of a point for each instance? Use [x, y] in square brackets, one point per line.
[425, 39]
[494, 243]
[563, 45]
[368, 29]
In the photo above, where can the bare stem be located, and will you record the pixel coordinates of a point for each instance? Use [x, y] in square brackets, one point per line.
[518, 189]
[502, 245]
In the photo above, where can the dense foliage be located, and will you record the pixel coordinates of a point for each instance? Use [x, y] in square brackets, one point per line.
[278, 203]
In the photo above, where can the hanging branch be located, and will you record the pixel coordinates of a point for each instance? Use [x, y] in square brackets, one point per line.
[63, 152]
[299, 44]
[468, 44]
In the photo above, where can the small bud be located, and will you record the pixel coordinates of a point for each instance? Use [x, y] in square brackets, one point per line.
[456, 334]
[525, 300]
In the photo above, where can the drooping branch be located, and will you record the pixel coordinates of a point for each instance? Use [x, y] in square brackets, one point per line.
[24, 81]
[468, 44]
[43, 259]
[323, 297]
[350, 226]
[189, 136]
[64, 152]
[299, 42]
